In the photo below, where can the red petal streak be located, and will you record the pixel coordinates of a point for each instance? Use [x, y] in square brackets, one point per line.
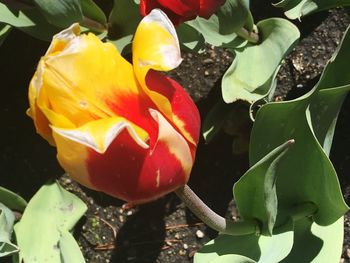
[134, 174]
[182, 104]
[135, 108]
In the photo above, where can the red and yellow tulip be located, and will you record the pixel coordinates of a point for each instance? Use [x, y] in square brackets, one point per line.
[120, 128]
[182, 10]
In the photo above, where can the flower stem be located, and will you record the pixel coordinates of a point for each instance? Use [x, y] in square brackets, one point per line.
[226, 226]
[250, 36]
[212, 219]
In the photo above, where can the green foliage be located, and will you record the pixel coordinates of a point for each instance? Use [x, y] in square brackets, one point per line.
[297, 8]
[4, 31]
[92, 11]
[255, 193]
[7, 220]
[251, 74]
[44, 230]
[12, 200]
[248, 248]
[220, 29]
[29, 20]
[60, 13]
[122, 27]
[275, 188]
[316, 244]
[8, 201]
[308, 174]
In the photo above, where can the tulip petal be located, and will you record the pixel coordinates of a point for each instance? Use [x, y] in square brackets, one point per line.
[74, 145]
[185, 8]
[79, 73]
[155, 45]
[154, 33]
[98, 135]
[126, 170]
[185, 115]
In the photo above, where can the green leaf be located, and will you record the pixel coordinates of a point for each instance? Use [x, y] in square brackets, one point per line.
[93, 11]
[29, 20]
[316, 244]
[306, 173]
[7, 219]
[255, 192]
[215, 120]
[124, 19]
[60, 13]
[220, 29]
[43, 229]
[250, 76]
[4, 31]
[298, 8]
[12, 200]
[248, 248]
[190, 38]
[70, 251]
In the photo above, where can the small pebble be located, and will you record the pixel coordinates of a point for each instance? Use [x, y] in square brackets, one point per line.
[177, 236]
[185, 246]
[208, 61]
[199, 234]
[182, 252]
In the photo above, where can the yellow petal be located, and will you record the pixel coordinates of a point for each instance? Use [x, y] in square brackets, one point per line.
[79, 73]
[98, 135]
[155, 44]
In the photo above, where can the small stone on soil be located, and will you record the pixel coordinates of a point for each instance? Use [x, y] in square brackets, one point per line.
[199, 234]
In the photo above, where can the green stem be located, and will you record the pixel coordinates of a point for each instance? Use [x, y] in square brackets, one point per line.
[212, 219]
[250, 36]
[226, 226]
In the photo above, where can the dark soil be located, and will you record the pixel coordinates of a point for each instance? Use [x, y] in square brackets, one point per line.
[164, 230]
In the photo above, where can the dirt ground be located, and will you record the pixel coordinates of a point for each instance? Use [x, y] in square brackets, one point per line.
[164, 230]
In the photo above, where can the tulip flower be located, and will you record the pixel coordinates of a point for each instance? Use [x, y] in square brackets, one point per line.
[120, 128]
[182, 10]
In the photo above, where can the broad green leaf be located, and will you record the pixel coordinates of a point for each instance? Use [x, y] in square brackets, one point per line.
[251, 74]
[220, 29]
[316, 244]
[29, 20]
[248, 248]
[306, 174]
[70, 251]
[7, 219]
[12, 200]
[60, 13]
[4, 31]
[49, 215]
[297, 8]
[122, 27]
[255, 192]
